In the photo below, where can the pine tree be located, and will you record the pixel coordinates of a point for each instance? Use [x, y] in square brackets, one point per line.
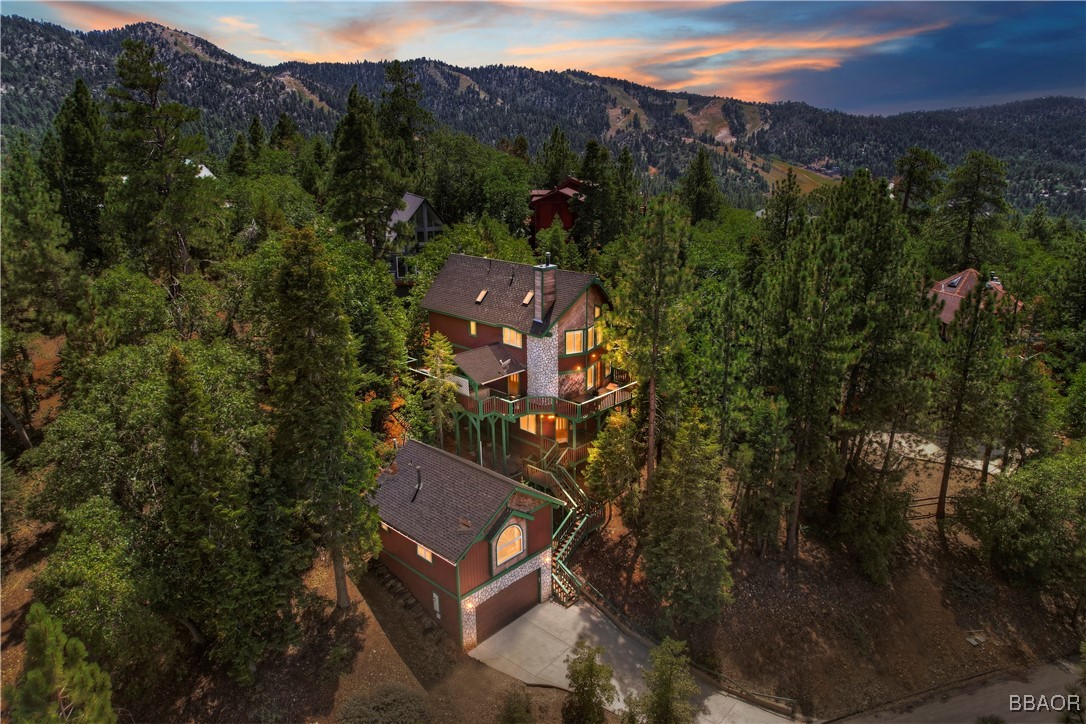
[237, 163]
[614, 468]
[649, 318]
[627, 193]
[58, 683]
[556, 160]
[594, 224]
[402, 119]
[670, 688]
[156, 206]
[40, 275]
[688, 552]
[256, 137]
[970, 373]
[918, 183]
[700, 190]
[284, 134]
[363, 190]
[785, 216]
[209, 572]
[972, 206]
[438, 390]
[322, 455]
[764, 464]
[557, 242]
[75, 167]
[590, 687]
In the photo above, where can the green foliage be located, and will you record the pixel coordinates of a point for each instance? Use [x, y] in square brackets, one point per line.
[872, 521]
[516, 706]
[763, 463]
[614, 461]
[590, 687]
[670, 687]
[284, 134]
[438, 390]
[389, 705]
[39, 274]
[364, 188]
[918, 183]
[322, 461]
[556, 160]
[156, 209]
[237, 163]
[1075, 409]
[74, 160]
[99, 588]
[699, 189]
[970, 209]
[1032, 525]
[402, 119]
[563, 250]
[688, 551]
[58, 683]
[18, 391]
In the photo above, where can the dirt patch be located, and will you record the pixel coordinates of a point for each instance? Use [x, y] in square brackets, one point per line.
[816, 631]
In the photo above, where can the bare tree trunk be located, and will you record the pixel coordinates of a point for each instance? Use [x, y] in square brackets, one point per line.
[984, 465]
[20, 431]
[197, 636]
[792, 540]
[889, 450]
[940, 511]
[343, 599]
[650, 463]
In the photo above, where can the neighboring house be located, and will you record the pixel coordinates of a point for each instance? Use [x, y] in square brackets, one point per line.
[425, 223]
[531, 368]
[549, 205]
[952, 290]
[472, 546]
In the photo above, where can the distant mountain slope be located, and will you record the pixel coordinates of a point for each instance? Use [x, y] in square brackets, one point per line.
[1042, 140]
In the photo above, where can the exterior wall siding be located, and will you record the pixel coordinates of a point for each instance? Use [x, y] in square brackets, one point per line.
[402, 547]
[424, 592]
[457, 331]
[475, 567]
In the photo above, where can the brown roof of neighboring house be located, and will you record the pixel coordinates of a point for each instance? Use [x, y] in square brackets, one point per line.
[952, 290]
[490, 363]
[456, 502]
[459, 283]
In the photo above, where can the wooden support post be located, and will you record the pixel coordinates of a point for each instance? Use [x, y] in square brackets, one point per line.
[457, 418]
[505, 446]
[479, 442]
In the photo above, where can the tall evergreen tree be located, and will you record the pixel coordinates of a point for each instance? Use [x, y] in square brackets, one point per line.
[785, 216]
[75, 168]
[39, 274]
[595, 217]
[556, 160]
[364, 189]
[208, 566]
[156, 207]
[58, 683]
[284, 134]
[402, 119]
[700, 190]
[237, 162]
[438, 390]
[971, 368]
[918, 182]
[649, 317]
[256, 137]
[322, 454]
[688, 552]
[972, 207]
[614, 466]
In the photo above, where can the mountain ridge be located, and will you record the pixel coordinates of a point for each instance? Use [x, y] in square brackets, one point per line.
[1042, 140]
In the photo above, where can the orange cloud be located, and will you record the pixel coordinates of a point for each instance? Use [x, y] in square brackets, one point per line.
[94, 16]
[602, 8]
[236, 24]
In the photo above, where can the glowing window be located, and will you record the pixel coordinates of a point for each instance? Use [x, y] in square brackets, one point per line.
[529, 423]
[510, 544]
[512, 337]
[575, 341]
[424, 553]
[473, 329]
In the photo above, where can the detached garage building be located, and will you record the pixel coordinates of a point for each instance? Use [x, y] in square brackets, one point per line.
[472, 546]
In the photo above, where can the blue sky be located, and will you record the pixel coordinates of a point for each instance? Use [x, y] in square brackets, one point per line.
[859, 57]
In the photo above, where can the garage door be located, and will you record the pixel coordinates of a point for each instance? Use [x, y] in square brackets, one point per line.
[506, 606]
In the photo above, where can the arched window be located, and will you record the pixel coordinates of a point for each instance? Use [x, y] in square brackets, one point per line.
[510, 544]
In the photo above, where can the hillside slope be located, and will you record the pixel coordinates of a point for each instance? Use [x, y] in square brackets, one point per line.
[1042, 140]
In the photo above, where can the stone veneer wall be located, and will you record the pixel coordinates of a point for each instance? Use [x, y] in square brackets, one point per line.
[470, 604]
[543, 366]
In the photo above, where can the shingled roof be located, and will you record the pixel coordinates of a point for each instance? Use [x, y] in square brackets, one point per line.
[456, 502]
[490, 363]
[463, 278]
[952, 290]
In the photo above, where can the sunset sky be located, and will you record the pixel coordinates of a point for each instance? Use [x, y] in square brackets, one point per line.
[854, 56]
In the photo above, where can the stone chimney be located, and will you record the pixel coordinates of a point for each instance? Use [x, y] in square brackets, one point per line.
[544, 288]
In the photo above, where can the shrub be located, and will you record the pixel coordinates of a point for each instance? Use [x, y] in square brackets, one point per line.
[389, 705]
[516, 706]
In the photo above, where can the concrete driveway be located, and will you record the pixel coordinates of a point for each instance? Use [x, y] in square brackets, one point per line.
[534, 647]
